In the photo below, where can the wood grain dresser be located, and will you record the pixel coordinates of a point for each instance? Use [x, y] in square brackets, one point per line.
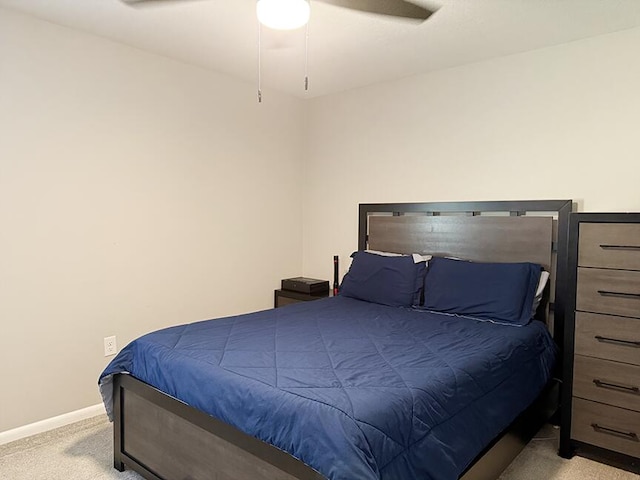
[601, 389]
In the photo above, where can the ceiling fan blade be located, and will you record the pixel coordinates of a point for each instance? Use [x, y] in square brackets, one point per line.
[393, 8]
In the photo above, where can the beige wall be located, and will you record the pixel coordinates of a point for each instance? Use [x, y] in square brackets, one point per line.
[135, 192]
[557, 123]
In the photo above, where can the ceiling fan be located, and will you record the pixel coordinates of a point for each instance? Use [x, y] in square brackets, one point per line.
[291, 14]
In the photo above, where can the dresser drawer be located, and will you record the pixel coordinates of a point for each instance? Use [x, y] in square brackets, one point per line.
[616, 292]
[605, 426]
[609, 245]
[607, 382]
[609, 337]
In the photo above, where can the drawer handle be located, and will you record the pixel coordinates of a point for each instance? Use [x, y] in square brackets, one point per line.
[615, 386]
[612, 431]
[626, 343]
[606, 293]
[620, 247]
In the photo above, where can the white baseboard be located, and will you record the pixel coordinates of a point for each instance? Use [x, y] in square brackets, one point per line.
[50, 423]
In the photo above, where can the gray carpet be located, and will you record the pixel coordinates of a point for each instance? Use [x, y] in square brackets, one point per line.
[539, 461]
[82, 451]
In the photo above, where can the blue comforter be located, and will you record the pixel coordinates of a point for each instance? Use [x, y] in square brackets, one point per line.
[354, 389]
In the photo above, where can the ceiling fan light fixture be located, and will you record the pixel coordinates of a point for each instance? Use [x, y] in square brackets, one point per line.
[283, 14]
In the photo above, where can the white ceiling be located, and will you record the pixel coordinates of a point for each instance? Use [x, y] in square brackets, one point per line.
[346, 49]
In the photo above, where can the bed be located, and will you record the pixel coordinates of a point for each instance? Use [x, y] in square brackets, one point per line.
[181, 410]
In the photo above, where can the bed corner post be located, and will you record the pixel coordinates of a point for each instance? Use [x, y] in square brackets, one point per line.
[118, 464]
[362, 226]
[563, 327]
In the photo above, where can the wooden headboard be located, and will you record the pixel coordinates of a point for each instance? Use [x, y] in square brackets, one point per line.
[510, 231]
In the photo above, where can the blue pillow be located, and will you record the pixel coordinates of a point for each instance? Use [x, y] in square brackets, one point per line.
[395, 281]
[501, 292]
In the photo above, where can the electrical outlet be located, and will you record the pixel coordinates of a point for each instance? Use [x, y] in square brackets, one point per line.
[110, 347]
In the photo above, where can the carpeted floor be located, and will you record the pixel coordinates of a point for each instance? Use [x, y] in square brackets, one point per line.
[539, 461]
[82, 451]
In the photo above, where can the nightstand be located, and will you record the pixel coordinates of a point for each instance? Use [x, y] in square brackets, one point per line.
[287, 297]
[601, 390]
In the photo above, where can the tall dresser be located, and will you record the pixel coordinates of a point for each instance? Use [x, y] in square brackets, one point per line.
[601, 389]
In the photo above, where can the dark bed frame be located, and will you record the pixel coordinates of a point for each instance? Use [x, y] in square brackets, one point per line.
[162, 438]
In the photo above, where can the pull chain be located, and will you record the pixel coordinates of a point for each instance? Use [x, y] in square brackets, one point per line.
[259, 62]
[306, 59]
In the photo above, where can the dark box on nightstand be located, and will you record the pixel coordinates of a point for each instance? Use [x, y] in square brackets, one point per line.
[310, 286]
